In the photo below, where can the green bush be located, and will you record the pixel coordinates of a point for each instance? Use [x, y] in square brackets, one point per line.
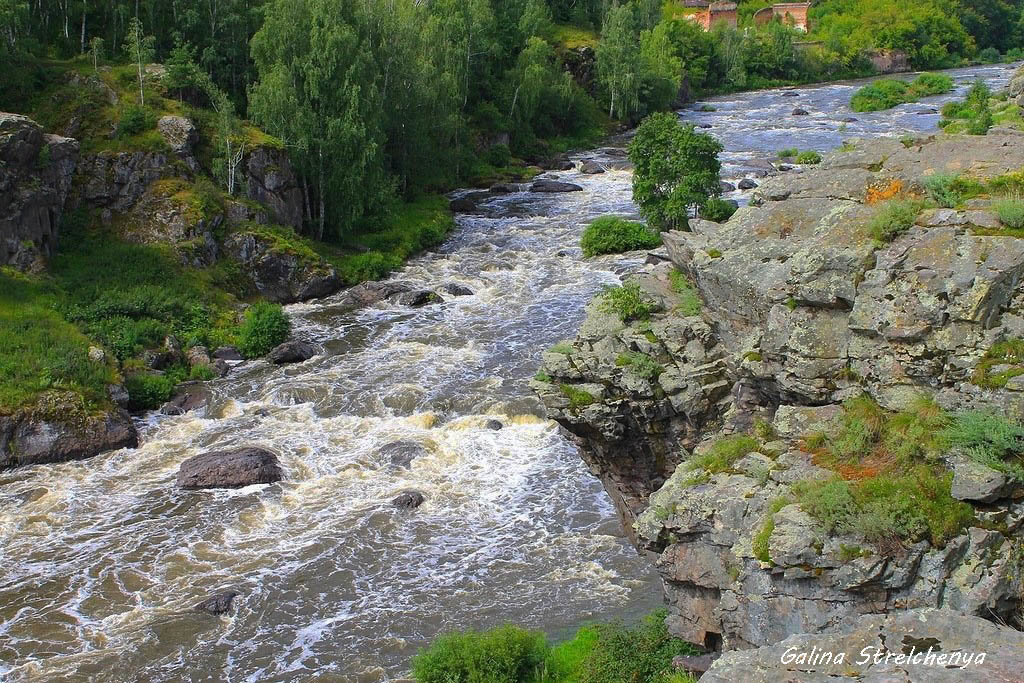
[989, 55]
[612, 235]
[623, 654]
[942, 189]
[498, 156]
[1011, 213]
[889, 509]
[894, 218]
[134, 120]
[809, 157]
[1011, 352]
[989, 439]
[578, 398]
[788, 153]
[265, 326]
[888, 92]
[507, 654]
[641, 364]
[628, 302]
[148, 391]
[717, 210]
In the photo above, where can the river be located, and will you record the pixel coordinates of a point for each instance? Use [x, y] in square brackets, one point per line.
[103, 559]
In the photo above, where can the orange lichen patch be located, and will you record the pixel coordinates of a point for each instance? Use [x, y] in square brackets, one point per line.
[875, 464]
[884, 191]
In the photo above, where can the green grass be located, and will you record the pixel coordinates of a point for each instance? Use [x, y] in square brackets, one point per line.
[613, 235]
[372, 255]
[760, 542]
[640, 363]
[891, 510]
[724, 453]
[578, 398]
[788, 153]
[1010, 212]
[570, 37]
[809, 157]
[562, 347]
[1009, 352]
[949, 190]
[628, 302]
[40, 350]
[888, 93]
[689, 300]
[989, 439]
[717, 210]
[893, 218]
[611, 652]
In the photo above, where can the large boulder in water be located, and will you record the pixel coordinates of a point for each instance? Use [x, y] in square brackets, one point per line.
[291, 352]
[231, 469]
[402, 453]
[591, 167]
[554, 186]
[218, 604]
[408, 500]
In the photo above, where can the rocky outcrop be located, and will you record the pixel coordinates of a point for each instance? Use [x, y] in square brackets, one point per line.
[271, 181]
[166, 213]
[916, 646]
[801, 310]
[117, 180]
[35, 176]
[59, 429]
[280, 272]
[229, 469]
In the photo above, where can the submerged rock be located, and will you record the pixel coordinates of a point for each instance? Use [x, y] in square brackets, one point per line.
[402, 453]
[418, 298]
[291, 352]
[494, 424]
[455, 289]
[554, 186]
[218, 604]
[229, 469]
[408, 500]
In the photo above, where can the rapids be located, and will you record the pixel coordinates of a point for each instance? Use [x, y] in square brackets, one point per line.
[103, 559]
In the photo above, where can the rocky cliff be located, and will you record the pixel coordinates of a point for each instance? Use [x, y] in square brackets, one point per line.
[35, 175]
[803, 309]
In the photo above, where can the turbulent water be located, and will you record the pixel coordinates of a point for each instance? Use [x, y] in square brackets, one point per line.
[103, 560]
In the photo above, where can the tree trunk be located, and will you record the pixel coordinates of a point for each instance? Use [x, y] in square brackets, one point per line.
[83, 26]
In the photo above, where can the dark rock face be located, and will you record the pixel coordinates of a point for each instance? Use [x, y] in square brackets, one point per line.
[291, 352]
[218, 604]
[402, 453]
[35, 176]
[455, 289]
[228, 353]
[229, 469]
[554, 186]
[494, 424]
[408, 500]
[418, 298]
[506, 188]
[581, 63]
[463, 205]
[910, 633]
[791, 93]
[281, 275]
[726, 187]
[188, 398]
[800, 112]
[591, 167]
[116, 181]
[272, 183]
[61, 433]
[557, 164]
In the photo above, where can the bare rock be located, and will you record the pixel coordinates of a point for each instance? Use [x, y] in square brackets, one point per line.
[230, 469]
[218, 604]
[291, 352]
[547, 186]
[409, 500]
[179, 133]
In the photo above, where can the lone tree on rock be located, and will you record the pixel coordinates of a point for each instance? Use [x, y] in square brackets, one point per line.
[676, 170]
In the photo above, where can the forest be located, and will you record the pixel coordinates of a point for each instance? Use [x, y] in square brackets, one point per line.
[380, 102]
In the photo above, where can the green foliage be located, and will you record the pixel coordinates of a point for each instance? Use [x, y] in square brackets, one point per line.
[562, 347]
[148, 391]
[1010, 212]
[989, 55]
[134, 120]
[809, 157]
[948, 190]
[788, 153]
[628, 302]
[613, 235]
[624, 654]
[640, 363]
[888, 93]
[1009, 352]
[717, 210]
[760, 542]
[578, 398]
[893, 218]
[507, 654]
[724, 453]
[265, 326]
[40, 350]
[890, 509]
[689, 300]
[542, 376]
[677, 169]
[989, 439]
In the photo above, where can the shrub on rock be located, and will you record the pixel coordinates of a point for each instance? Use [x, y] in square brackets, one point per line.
[612, 235]
[265, 326]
